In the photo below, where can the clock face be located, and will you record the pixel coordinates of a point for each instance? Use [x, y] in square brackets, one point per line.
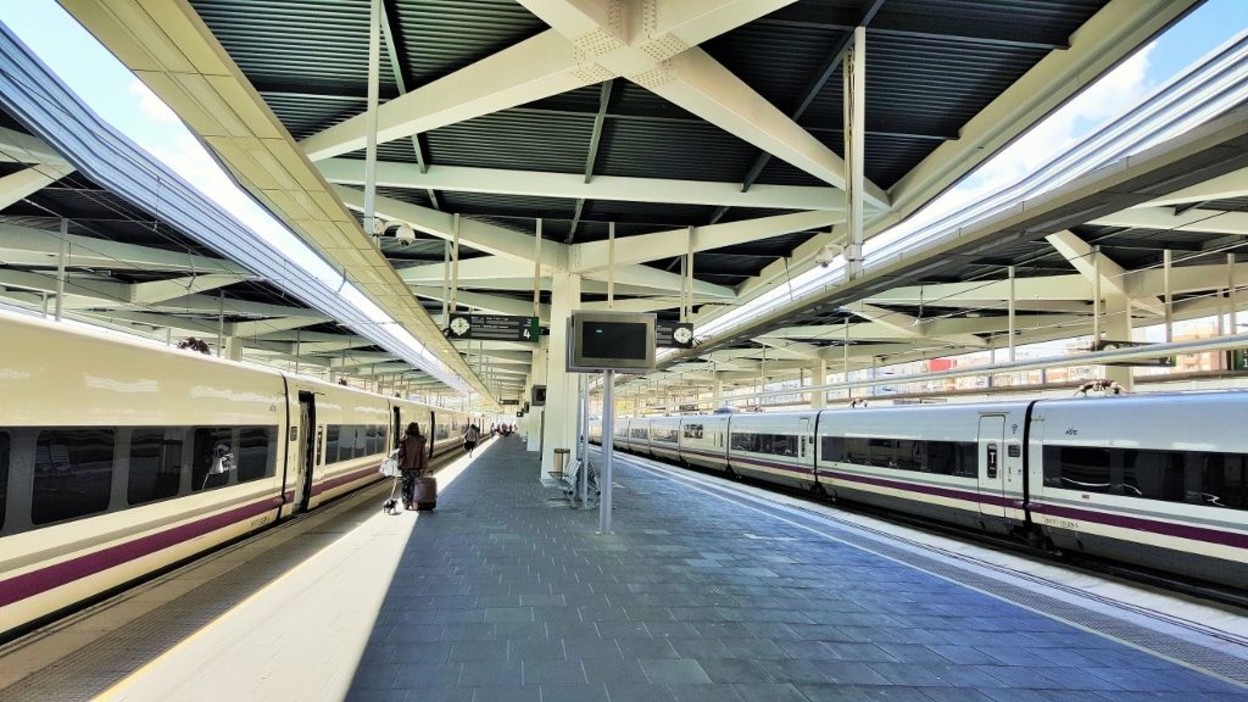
[459, 326]
[682, 335]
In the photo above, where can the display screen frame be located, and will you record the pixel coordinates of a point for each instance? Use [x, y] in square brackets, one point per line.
[639, 325]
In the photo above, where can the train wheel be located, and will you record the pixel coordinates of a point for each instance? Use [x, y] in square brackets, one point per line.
[819, 491]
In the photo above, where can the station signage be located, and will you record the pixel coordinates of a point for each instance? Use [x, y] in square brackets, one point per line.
[494, 327]
[676, 335]
[506, 402]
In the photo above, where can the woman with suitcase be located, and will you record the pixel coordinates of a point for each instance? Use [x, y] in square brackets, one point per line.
[413, 461]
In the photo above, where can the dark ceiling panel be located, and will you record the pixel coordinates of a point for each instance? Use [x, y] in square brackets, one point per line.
[515, 139]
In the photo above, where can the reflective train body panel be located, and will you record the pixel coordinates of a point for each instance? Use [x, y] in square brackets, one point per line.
[119, 458]
[1159, 481]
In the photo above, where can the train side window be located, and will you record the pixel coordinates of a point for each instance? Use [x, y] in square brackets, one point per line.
[693, 431]
[203, 460]
[1155, 475]
[1078, 468]
[73, 473]
[1224, 481]
[883, 452]
[942, 457]
[252, 458]
[968, 459]
[155, 465]
[832, 448]
[4, 474]
[908, 455]
[331, 443]
[858, 451]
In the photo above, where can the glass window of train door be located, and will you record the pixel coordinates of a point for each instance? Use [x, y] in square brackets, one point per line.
[206, 440]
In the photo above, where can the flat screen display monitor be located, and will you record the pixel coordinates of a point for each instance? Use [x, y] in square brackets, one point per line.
[621, 341]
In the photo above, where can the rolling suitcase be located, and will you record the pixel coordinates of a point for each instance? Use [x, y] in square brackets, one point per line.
[426, 494]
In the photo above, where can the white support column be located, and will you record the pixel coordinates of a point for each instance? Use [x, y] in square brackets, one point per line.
[819, 376]
[233, 348]
[855, 71]
[561, 395]
[717, 392]
[537, 376]
[1118, 327]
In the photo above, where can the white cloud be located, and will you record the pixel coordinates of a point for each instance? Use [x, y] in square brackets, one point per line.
[152, 106]
[1110, 97]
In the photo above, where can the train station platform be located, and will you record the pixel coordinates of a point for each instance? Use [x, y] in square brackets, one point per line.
[701, 593]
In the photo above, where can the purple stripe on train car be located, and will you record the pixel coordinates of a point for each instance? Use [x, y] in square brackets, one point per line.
[708, 454]
[923, 489]
[339, 480]
[35, 582]
[1182, 531]
[770, 464]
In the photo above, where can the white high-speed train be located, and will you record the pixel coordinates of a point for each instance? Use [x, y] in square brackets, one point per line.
[1159, 481]
[119, 458]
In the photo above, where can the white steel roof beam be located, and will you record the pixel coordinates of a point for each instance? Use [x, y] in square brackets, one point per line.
[1164, 218]
[489, 303]
[478, 235]
[1231, 185]
[22, 184]
[18, 244]
[645, 276]
[496, 181]
[17, 147]
[160, 290]
[595, 255]
[654, 44]
[1113, 276]
[535, 68]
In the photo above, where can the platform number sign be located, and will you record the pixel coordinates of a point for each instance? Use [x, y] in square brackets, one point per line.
[494, 327]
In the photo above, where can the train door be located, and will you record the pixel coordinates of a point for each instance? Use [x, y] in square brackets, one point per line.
[992, 465]
[396, 429]
[309, 440]
[803, 438]
[433, 435]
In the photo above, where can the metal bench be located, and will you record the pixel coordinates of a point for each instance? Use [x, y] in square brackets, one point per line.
[567, 484]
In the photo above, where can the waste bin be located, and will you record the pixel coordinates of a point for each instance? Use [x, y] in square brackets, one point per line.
[561, 462]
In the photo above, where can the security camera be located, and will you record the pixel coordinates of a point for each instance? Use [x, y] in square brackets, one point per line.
[405, 234]
[828, 254]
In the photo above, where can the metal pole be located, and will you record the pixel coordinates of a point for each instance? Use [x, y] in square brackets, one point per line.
[60, 268]
[455, 262]
[610, 265]
[1165, 271]
[854, 122]
[608, 431]
[537, 274]
[446, 283]
[583, 487]
[220, 322]
[686, 287]
[370, 117]
[1011, 313]
[1230, 292]
[1096, 295]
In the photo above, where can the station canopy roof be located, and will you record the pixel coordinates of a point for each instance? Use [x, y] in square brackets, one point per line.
[715, 125]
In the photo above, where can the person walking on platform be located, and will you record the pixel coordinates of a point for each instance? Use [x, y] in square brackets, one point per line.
[413, 462]
[471, 437]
